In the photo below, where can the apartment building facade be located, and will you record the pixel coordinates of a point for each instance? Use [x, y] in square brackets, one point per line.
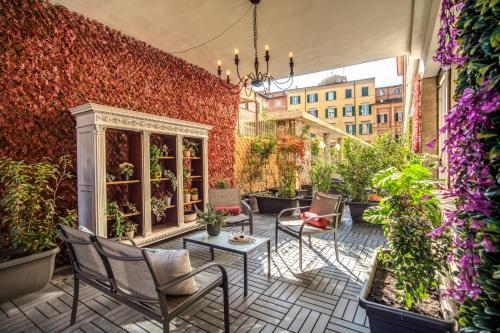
[348, 105]
[276, 101]
[389, 110]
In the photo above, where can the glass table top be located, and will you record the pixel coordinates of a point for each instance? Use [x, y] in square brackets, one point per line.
[222, 240]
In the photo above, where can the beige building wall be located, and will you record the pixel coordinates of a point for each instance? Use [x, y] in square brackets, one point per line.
[341, 101]
[430, 129]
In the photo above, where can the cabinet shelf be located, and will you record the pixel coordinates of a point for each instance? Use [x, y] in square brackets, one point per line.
[121, 182]
[167, 157]
[126, 215]
[192, 158]
[191, 202]
[159, 179]
[195, 177]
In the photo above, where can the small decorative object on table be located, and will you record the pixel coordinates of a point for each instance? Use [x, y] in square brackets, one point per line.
[213, 219]
[126, 170]
[240, 238]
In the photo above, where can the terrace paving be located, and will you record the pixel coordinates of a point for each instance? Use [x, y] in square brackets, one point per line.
[322, 298]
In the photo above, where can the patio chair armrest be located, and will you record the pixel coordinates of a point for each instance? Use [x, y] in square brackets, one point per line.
[124, 238]
[198, 270]
[246, 209]
[288, 210]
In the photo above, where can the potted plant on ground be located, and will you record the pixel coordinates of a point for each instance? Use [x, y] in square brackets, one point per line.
[402, 291]
[290, 157]
[164, 150]
[154, 162]
[221, 184]
[212, 219]
[126, 170]
[158, 207]
[187, 195]
[29, 207]
[194, 194]
[130, 229]
[322, 174]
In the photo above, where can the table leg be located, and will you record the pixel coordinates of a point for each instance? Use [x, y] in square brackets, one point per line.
[212, 253]
[184, 244]
[269, 258]
[245, 275]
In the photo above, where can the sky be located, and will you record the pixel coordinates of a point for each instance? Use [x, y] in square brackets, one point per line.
[384, 71]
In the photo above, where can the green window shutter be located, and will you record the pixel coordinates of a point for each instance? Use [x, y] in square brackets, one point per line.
[347, 128]
[343, 111]
[370, 109]
[353, 129]
[334, 95]
[370, 128]
[360, 108]
[326, 113]
[291, 100]
[360, 128]
[335, 113]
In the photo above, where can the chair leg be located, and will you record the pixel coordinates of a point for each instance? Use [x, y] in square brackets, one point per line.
[276, 240]
[242, 228]
[300, 252]
[251, 227]
[226, 307]
[310, 241]
[166, 328]
[76, 292]
[336, 246]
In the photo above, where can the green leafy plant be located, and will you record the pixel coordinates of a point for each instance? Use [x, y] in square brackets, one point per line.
[210, 216]
[322, 175]
[391, 152]
[159, 206]
[315, 148]
[130, 226]
[260, 151]
[114, 213]
[186, 174]
[131, 207]
[173, 179]
[30, 202]
[190, 145]
[126, 168]
[154, 161]
[290, 156]
[221, 184]
[356, 168]
[409, 212]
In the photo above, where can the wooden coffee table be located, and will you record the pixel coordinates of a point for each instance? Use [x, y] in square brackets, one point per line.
[221, 242]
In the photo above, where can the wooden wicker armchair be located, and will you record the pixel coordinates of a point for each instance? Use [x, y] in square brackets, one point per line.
[127, 274]
[232, 197]
[329, 206]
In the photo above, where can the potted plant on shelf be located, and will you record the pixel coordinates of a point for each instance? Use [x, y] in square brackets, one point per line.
[129, 207]
[194, 194]
[158, 207]
[290, 157]
[186, 148]
[187, 195]
[212, 219]
[164, 150]
[170, 176]
[30, 211]
[130, 229]
[126, 170]
[168, 198]
[402, 291]
[154, 162]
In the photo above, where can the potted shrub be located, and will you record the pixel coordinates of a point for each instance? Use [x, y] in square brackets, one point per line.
[130, 229]
[189, 148]
[213, 220]
[154, 162]
[170, 176]
[194, 194]
[187, 195]
[221, 184]
[126, 170]
[30, 210]
[168, 198]
[189, 216]
[158, 207]
[129, 207]
[164, 150]
[290, 157]
[402, 291]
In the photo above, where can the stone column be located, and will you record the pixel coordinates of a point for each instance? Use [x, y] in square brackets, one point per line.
[326, 152]
[179, 160]
[146, 183]
[205, 170]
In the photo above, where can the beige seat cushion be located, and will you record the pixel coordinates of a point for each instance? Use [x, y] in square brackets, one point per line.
[171, 264]
[295, 224]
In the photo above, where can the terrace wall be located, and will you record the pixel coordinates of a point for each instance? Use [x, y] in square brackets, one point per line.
[53, 59]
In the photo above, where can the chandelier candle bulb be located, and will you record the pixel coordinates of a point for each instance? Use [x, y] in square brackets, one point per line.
[219, 69]
[267, 53]
[227, 75]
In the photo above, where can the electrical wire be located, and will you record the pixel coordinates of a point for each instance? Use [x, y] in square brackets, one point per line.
[215, 37]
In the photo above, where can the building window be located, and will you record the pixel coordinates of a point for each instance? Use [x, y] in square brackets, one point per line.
[364, 91]
[365, 128]
[331, 96]
[294, 100]
[381, 92]
[365, 110]
[383, 118]
[313, 112]
[312, 98]
[331, 113]
[397, 90]
[350, 128]
[348, 111]
[348, 93]
[399, 116]
[278, 103]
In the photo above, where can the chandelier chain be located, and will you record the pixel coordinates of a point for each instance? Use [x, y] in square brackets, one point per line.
[255, 29]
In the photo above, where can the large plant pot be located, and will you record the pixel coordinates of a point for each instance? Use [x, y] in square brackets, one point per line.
[19, 277]
[358, 208]
[189, 216]
[309, 190]
[301, 192]
[213, 229]
[274, 205]
[386, 319]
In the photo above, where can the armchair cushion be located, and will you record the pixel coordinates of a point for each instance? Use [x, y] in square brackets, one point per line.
[229, 209]
[171, 264]
[318, 223]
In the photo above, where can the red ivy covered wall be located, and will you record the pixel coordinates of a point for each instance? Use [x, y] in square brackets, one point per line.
[53, 59]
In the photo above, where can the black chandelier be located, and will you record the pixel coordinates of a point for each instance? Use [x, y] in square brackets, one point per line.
[256, 79]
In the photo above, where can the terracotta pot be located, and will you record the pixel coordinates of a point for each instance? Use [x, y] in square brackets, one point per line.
[186, 153]
[194, 197]
[22, 276]
[129, 234]
[187, 197]
[213, 229]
